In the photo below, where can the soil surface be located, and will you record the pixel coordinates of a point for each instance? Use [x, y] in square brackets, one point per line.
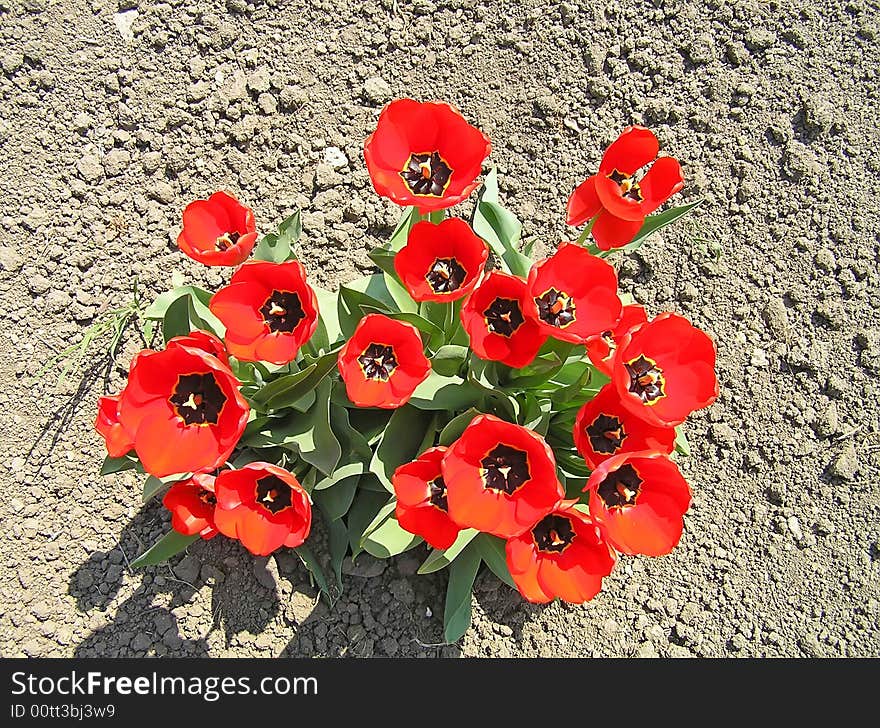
[114, 115]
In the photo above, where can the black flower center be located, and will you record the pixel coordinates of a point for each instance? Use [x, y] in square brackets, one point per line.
[606, 434]
[553, 534]
[446, 275]
[503, 316]
[621, 488]
[273, 493]
[505, 469]
[628, 187]
[426, 174]
[198, 399]
[226, 241]
[645, 379]
[282, 311]
[438, 493]
[378, 362]
[556, 308]
[207, 497]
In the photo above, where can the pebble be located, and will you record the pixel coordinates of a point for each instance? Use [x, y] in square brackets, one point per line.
[775, 315]
[846, 464]
[10, 260]
[364, 565]
[90, 168]
[377, 90]
[760, 39]
[188, 568]
[335, 157]
[116, 162]
[162, 191]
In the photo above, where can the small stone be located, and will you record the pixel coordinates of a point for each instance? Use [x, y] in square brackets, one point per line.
[738, 642]
[267, 103]
[799, 162]
[188, 568]
[57, 301]
[609, 627]
[123, 22]
[335, 157]
[326, 176]
[759, 358]
[90, 168]
[259, 81]
[141, 642]
[376, 90]
[760, 39]
[825, 259]
[723, 434]
[82, 122]
[161, 190]
[12, 62]
[775, 315]
[846, 464]
[265, 572]
[151, 161]
[836, 386]
[10, 259]
[647, 650]
[116, 162]
[365, 566]
[824, 527]
[794, 526]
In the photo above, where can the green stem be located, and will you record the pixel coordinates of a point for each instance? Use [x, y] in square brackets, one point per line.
[587, 230]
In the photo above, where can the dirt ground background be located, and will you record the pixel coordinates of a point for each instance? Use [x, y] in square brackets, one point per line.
[114, 115]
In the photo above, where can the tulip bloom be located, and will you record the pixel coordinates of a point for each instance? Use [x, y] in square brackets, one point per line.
[500, 477]
[180, 411]
[615, 198]
[572, 295]
[383, 362]
[604, 427]
[262, 506]
[269, 311]
[601, 348]
[638, 500]
[424, 154]
[495, 319]
[441, 262]
[421, 499]
[218, 231]
[665, 369]
[192, 504]
[563, 555]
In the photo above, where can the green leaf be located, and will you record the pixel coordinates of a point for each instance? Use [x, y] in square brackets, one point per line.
[681, 442]
[500, 228]
[338, 537]
[449, 360]
[492, 552]
[176, 320]
[389, 539]
[439, 559]
[201, 318]
[453, 429]
[384, 259]
[402, 300]
[408, 218]
[367, 505]
[170, 544]
[403, 435]
[286, 390]
[337, 499]
[311, 563]
[117, 465]
[653, 223]
[536, 414]
[152, 486]
[443, 393]
[278, 247]
[329, 318]
[435, 333]
[457, 613]
[309, 435]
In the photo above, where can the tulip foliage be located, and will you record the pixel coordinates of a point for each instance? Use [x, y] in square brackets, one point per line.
[465, 400]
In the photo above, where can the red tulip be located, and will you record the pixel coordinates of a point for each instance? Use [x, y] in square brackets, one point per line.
[424, 154]
[107, 423]
[218, 231]
[269, 311]
[619, 202]
[638, 500]
[192, 504]
[572, 295]
[500, 477]
[180, 410]
[421, 499]
[601, 348]
[665, 369]
[203, 340]
[563, 556]
[604, 427]
[497, 324]
[262, 506]
[383, 362]
[441, 262]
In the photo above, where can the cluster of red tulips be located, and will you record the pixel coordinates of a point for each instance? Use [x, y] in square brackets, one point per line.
[183, 412]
